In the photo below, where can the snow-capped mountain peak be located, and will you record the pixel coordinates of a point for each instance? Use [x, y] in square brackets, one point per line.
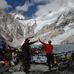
[56, 25]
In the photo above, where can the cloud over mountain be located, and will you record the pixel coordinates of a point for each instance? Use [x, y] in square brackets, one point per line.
[36, 7]
[25, 7]
[3, 4]
[42, 7]
[54, 5]
[30, 3]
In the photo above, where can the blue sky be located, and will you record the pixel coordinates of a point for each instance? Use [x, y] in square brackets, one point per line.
[30, 7]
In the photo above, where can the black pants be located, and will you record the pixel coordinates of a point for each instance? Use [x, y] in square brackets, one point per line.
[26, 59]
[50, 60]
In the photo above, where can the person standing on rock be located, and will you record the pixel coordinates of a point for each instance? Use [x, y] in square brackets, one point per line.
[49, 53]
[26, 54]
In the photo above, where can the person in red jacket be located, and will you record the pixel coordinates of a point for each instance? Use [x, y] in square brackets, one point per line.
[49, 53]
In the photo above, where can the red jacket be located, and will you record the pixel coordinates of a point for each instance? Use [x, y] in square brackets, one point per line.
[48, 48]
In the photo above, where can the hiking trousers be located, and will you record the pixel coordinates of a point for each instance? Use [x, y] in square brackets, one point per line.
[50, 60]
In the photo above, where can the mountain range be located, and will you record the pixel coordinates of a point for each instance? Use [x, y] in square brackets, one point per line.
[57, 26]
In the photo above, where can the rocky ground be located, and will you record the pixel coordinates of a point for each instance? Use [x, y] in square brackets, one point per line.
[38, 69]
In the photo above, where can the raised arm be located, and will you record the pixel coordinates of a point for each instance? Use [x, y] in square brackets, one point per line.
[32, 42]
[42, 42]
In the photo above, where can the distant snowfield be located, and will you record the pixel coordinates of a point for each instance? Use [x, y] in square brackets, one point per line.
[58, 39]
[42, 21]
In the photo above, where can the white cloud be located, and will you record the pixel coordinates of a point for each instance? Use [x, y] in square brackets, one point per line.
[55, 5]
[27, 4]
[3, 4]
[25, 7]
[50, 5]
[42, 10]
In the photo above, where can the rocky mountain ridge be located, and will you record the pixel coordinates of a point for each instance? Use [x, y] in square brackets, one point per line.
[59, 28]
